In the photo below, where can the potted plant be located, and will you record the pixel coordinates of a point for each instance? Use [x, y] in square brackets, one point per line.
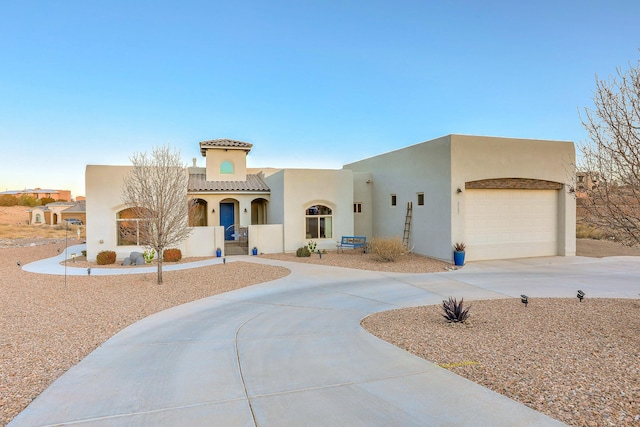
[218, 252]
[458, 253]
[254, 251]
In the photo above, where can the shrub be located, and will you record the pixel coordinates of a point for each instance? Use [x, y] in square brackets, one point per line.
[454, 312]
[26, 200]
[303, 252]
[8, 200]
[172, 255]
[46, 200]
[106, 257]
[387, 249]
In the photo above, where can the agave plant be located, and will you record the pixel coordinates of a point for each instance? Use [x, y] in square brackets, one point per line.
[453, 310]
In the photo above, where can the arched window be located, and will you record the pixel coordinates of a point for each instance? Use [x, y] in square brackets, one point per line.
[319, 222]
[226, 168]
[131, 227]
[38, 218]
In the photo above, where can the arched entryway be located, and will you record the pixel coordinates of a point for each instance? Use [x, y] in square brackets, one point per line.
[259, 211]
[198, 213]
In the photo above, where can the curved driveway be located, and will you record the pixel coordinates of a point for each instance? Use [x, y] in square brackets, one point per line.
[291, 353]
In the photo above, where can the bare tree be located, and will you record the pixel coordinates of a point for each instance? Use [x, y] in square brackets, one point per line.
[156, 193]
[611, 157]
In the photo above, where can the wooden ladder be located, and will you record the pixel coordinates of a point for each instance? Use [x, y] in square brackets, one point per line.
[407, 225]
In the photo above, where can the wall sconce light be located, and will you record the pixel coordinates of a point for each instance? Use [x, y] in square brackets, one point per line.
[213, 210]
[369, 181]
[245, 210]
[524, 299]
[459, 190]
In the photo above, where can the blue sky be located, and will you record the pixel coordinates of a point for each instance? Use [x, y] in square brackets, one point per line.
[309, 83]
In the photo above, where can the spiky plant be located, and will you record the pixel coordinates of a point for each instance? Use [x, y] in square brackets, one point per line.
[454, 312]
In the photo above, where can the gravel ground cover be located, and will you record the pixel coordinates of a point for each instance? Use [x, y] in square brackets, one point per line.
[354, 258]
[46, 327]
[576, 362]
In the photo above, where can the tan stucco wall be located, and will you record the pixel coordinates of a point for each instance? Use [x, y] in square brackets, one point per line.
[216, 156]
[419, 168]
[441, 166]
[476, 157]
[103, 191]
[297, 189]
[363, 194]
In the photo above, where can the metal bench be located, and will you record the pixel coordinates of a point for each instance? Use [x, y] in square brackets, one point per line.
[351, 242]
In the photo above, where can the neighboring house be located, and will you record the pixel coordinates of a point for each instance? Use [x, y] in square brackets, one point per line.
[40, 193]
[586, 181]
[505, 198]
[56, 212]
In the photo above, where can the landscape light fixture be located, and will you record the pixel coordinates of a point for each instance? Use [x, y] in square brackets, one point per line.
[580, 295]
[524, 299]
[89, 271]
[19, 263]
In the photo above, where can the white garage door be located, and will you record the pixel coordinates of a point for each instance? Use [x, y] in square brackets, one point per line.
[511, 223]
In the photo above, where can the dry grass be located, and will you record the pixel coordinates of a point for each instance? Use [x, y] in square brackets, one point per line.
[387, 249]
[23, 231]
[586, 231]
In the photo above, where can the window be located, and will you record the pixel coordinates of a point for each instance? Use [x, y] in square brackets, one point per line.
[394, 200]
[38, 218]
[226, 168]
[131, 227]
[319, 222]
[420, 199]
[357, 207]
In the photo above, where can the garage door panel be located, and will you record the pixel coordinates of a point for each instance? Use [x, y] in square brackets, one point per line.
[511, 223]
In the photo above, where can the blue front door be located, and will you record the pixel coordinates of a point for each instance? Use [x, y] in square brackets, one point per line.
[226, 219]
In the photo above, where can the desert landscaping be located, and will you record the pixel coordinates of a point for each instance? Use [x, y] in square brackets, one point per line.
[579, 365]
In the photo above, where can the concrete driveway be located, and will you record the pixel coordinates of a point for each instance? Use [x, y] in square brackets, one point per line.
[291, 353]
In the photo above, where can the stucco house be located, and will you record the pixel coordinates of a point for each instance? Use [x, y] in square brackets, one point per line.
[56, 212]
[503, 197]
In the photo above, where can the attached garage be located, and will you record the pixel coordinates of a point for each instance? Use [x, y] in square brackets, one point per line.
[516, 222]
[502, 197]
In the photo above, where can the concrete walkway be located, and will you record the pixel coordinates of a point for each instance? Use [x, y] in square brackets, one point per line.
[291, 353]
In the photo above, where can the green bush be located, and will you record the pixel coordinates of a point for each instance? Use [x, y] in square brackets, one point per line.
[303, 252]
[172, 255]
[387, 249]
[106, 257]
